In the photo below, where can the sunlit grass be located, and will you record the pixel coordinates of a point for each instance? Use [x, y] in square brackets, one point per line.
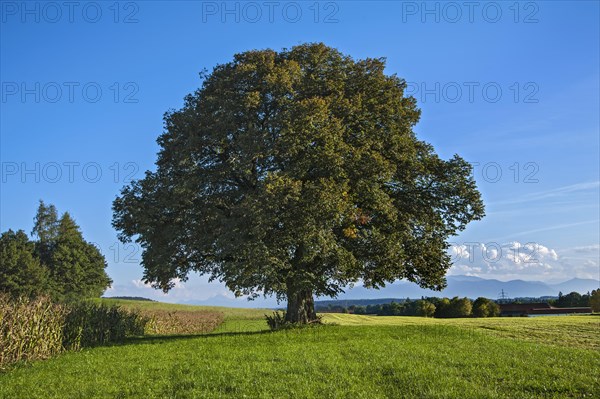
[572, 331]
[361, 357]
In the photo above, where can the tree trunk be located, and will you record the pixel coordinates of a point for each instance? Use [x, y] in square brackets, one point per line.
[300, 307]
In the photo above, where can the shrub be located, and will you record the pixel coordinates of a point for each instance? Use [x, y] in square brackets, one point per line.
[277, 322]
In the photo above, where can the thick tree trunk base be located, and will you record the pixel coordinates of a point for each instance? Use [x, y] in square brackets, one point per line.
[301, 307]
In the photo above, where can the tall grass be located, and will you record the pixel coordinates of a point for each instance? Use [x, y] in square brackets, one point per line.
[39, 328]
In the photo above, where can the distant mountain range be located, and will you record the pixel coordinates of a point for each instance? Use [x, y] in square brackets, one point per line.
[469, 286]
[473, 287]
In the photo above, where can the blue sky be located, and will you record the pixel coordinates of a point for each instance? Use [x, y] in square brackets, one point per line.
[512, 87]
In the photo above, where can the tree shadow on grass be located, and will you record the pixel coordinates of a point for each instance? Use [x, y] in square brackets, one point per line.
[154, 339]
[233, 330]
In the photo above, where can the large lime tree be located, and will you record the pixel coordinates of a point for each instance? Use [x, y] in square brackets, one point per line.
[297, 173]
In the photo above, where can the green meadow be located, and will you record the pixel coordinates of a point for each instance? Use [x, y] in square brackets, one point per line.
[349, 357]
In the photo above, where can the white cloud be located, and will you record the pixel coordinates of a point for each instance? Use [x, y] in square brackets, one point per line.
[459, 251]
[140, 284]
[529, 261]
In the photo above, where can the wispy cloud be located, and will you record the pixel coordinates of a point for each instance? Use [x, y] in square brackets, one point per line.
[549, 228]
[556, 192]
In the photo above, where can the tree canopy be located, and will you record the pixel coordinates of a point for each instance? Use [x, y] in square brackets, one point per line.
[483, 307]
[572, 299]
[21, 273]
[297, 173]
[60, 263]
[595, 300]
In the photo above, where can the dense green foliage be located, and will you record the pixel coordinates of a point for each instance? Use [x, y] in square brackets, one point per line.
[427, 307]
[89, 324]
[296, 173]
[595, 300]
[21, 273]
[413, 358]
[483, 307]
[40, 328]
[455, 307]
[60, 263]
[573, 299]
[407, 308]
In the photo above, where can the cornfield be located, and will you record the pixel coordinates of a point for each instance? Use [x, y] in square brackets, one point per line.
[39, 328]
[163, 322]
[89, 324]
[30, 329]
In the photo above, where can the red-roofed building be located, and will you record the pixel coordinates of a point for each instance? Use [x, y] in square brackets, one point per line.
[536, 309]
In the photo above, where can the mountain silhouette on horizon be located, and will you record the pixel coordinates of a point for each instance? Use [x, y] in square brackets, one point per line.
[458, 285]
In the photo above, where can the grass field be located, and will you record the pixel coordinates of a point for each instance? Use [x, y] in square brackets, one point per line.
[359, 357]
[566, 331]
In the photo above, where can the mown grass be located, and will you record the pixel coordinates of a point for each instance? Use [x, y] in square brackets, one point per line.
[407, 358]
[569, 331]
